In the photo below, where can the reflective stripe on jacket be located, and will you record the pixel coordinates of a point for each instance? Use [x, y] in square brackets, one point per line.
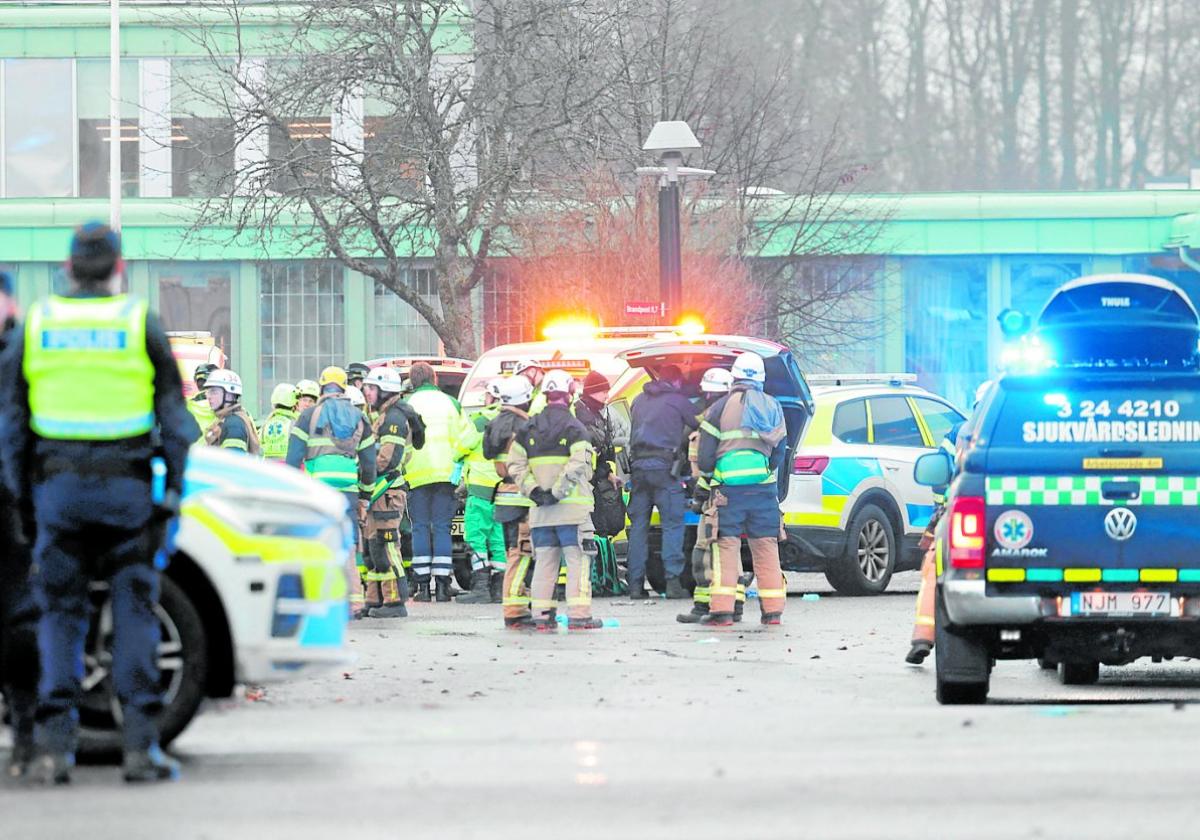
[337, 462]
[553, 452]
[102, 339]
[480, 473]
[741, 456]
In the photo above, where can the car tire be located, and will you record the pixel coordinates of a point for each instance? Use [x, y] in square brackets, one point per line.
[1047, 664]
[185, 640]
[962, 664]
[1079, 673]
[867, 563]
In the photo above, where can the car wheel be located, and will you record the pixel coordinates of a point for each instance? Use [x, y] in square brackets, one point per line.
[963, 664]
[656, 575]
[183, 673]
[1079, 673]
[1047, 664]
[866, 565]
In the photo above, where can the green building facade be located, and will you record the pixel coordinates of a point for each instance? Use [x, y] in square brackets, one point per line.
[936, 271]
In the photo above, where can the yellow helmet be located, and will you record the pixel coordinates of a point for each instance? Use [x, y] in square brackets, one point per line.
[333, 375]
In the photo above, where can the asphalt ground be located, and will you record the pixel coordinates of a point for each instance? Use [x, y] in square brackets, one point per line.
[449, 726]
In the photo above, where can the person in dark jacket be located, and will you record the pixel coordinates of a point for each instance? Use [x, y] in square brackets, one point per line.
[662, 417]
[91, 409]
[18, 613]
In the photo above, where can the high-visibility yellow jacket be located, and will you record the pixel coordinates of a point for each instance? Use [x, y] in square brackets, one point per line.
[444, 426]
[480, 473]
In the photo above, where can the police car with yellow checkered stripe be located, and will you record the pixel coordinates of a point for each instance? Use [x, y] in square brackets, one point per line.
[853, 510]
[1072, 525]
[255, 592]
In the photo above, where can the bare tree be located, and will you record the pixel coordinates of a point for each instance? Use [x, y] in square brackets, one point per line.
[379, 133]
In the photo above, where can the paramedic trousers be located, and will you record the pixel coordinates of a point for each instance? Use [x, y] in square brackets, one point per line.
[552, 543]
[431, 509]
[484, 536]
[752, 510]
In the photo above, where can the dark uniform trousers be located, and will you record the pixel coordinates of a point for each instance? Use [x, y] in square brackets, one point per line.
[18, 626]
[66, 561]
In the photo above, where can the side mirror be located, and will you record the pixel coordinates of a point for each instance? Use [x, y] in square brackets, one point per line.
[933, 469]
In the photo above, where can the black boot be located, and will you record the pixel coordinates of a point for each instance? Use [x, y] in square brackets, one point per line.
[584, 624]
[698, 612]
[521, 622]
[442, 589]
[637, 590]
[771, 618]
[480, 592]
[397, 610]
[423, 592]
[22, 704]
[547, 623]
[739, 607]
[496, 587]
[51, 768]
[715, 619]
[675, 590]
[917, 653]
[151, 765]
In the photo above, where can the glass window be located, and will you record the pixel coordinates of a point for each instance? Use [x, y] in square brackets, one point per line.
[850, 422]
[38, 141]
[302, 310]
[893, 422]
[196, 297]
[946, 329]
[939, 417]
[202, 132]
[1032, 281]
[92, 99]
[830, 311]
[399, 329]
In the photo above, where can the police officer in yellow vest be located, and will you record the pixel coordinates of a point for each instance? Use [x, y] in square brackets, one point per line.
[333, 442]
[96, 464]
[233, 428]
[276, 429]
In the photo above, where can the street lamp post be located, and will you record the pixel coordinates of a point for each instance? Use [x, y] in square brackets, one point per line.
[114, 115]
[670, 139]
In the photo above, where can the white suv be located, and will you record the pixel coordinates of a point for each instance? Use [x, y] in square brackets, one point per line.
[853, 510]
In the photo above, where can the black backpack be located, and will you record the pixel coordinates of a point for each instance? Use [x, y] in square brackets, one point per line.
[608, 511]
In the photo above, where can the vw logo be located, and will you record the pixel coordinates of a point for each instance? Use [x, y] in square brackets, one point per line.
[1120, 523]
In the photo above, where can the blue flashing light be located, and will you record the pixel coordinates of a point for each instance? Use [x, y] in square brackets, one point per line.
[1014, 323]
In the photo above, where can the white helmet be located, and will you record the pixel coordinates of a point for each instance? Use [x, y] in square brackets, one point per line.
[308, 388]
[749, 366]
[386, 379]
[557, 381]
[517, 390]
[495, 387]
[226, 379]
[355, 395]
[716, 381]
[525, 364]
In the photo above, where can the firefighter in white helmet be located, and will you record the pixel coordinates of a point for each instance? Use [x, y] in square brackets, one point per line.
[232, 427]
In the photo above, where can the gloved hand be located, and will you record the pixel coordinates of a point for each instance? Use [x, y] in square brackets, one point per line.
[542, 498]
[689, 486]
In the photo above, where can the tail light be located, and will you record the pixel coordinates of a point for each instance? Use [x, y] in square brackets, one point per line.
[809, 465]
[967, 532]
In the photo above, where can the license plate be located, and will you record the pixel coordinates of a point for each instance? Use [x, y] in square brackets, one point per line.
[1121, 603]
[456, 528]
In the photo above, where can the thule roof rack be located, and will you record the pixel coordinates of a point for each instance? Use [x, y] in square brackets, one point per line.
[1108, 321]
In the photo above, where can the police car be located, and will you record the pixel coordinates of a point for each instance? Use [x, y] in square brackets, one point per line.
[255, 592]
[853, 510]
[693, 354]
[1072, 525]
